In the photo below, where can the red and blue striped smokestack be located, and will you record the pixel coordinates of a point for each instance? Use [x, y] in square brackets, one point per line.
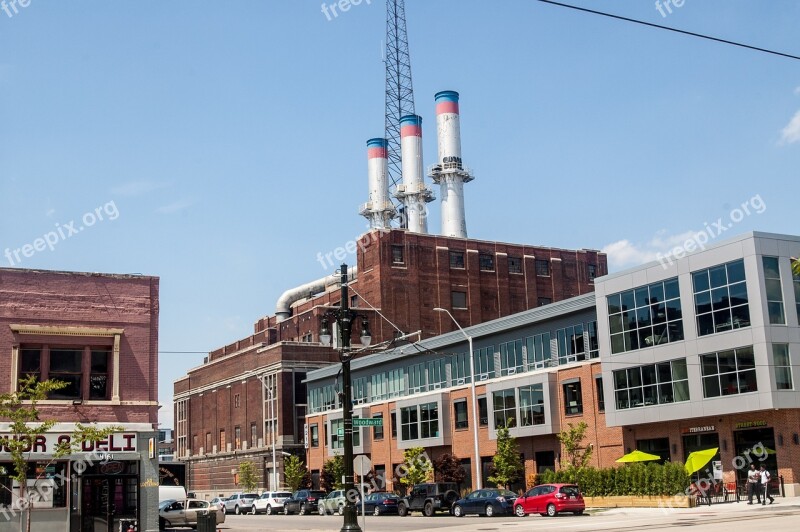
[415, 194]
[379, 210]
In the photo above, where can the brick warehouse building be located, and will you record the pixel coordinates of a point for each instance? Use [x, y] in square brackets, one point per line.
[695, 353]
[98, 333]
[223, 410]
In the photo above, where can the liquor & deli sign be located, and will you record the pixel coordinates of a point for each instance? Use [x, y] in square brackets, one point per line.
[48, 443]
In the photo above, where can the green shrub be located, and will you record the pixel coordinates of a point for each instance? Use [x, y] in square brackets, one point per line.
[627, 480]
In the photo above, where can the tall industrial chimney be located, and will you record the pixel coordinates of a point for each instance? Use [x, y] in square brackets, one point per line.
[449, 172]
[379, 210]
[413, 192]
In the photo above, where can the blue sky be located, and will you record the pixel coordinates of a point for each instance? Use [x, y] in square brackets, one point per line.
[229, 137]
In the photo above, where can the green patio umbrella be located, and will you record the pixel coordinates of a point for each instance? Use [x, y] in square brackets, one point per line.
[638, 456]
[696, 460]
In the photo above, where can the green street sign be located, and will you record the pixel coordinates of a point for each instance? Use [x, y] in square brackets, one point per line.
[368, 422]
[340, 432]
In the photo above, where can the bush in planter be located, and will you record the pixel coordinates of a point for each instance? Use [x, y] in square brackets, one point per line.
[631, 480]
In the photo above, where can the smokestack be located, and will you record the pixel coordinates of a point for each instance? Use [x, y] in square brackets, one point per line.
[449, 172]
[413, 192]
[379, 210]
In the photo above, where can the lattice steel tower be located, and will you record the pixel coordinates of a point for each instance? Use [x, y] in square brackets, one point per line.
[399, 89]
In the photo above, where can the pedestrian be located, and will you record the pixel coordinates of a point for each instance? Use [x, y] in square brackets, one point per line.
[765, 476]
[753, 484]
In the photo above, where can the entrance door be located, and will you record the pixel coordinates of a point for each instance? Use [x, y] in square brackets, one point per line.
[96, 504]
[756, 446]
[545, 460]
[701, 442]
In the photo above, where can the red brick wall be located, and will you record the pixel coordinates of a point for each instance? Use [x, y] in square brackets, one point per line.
[48, 298]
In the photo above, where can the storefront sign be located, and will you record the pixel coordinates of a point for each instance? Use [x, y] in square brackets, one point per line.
[692, 430]
[750, 424]
[47, 443]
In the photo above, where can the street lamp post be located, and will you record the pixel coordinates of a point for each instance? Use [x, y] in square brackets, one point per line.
[476, 414]
[344, 317]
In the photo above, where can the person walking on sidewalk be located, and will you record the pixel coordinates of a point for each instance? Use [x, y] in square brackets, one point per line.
[765, 476]
[753, 484]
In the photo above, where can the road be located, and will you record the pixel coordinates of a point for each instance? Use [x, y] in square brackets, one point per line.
[780, 517]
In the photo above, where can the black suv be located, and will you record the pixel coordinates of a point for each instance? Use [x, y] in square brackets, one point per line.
[429, 498]
[303, 502]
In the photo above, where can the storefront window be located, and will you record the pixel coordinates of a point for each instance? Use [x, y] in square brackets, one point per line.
[729, 372]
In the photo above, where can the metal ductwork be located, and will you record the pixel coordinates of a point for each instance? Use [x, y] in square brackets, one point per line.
[283, 308]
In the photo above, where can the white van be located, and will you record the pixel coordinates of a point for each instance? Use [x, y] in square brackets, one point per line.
[171, 492]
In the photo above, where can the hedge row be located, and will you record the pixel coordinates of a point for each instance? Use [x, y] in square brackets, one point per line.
[633, 479]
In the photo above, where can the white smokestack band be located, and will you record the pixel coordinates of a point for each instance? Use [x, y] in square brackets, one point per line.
[449, 172]
[379, 210]
[413, 193]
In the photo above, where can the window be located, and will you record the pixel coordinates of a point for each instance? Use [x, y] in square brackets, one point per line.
[720, 298]
[591, 271]
[459, 369]
[208, 448]
[359, 390]
[573, 399]
[379, 387]
[222, 441]
[729, 372]
[796, 279]
[505, 409]
[237, 400]
[654, 384]
[66, 364]
[531, 405]
[542, 268]
[783, 366]
[542, 301]
[457, 259]
[601, 398]
[419, 421]
[416, 378]
[397, 255]
[594, 344]
[353, 301]
[538, 350]
[645, 316]
[514, 265]
[337, 434]
[98, 378]
[511, 357]
[483, 411]
[458, 299]
[237, 438]
[377, 430]
[437, 373]
[657, 446]
[396, 382]
[314, 435]
[460, 414]
[772, 280]
[321, 399]
[393, 422]
[254, 435]
[570, 344]
[486, 262]
[484, 363]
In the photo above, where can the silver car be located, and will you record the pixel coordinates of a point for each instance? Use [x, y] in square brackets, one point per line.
[172, 513]
[240, 503]
[270, 502]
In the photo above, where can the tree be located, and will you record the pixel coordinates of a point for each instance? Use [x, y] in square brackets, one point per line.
[21, 410]
[295, 472]
[577, 456]
[332, 473]
[247, 476]
[417, 467]
[447, 468]
[796, 267]
[507, 462]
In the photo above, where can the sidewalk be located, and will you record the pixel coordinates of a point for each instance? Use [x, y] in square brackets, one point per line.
[726, 507]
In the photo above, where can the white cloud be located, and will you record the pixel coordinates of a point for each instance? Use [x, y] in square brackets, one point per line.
[624, 253]
[791, 133]
[137, 188]
[175, 206]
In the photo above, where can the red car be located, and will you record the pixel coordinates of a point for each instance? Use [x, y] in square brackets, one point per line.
[550, 500]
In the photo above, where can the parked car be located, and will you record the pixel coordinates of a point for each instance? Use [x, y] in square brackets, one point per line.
[429, 498]
[303, 502]
[550, 500]
[380, 503]
[333, 503]
[488, 502]
[173, 513]
[240, 503]
[219, 501]
[270, 502]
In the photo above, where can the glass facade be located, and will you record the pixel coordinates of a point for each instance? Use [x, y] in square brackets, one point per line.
[571, 346]
[654, 384]
[645, 316]
[505, 408]
[729, 372]
[419, 422]
[538, 350]
[460, 369]
[783, 366]
[511, 357]
[796, 279]
[772, 281]
[484, 363]
[720, 298]
[531, 405]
